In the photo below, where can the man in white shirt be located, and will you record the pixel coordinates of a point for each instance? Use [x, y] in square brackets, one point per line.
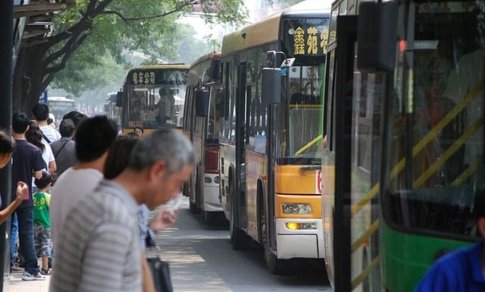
[93, 139]
[41, 114]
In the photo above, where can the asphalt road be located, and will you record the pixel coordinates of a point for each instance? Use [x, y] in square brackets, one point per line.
[201, 259]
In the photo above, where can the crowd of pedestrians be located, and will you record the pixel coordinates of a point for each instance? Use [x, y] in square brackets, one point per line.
[82, 198]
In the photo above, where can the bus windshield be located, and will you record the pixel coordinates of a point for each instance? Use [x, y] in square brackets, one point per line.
[154, 98]
[304, 113]
[436, 152]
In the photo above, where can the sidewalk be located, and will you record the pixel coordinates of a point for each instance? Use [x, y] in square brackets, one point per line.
[17, 285]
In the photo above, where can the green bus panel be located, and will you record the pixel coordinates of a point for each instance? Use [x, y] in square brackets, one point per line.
[405, 257]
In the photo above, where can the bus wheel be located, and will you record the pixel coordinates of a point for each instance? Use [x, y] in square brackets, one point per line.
[239, 239]
[193, 208]
[211, 218]
[275, 266]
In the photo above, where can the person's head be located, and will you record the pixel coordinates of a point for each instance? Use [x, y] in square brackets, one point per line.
[51, 119]
[94, 136]
[66, 128]
[20, 123]
[166, 157]
[138, 131]
[7, 146]
[118, 156]
[75, 116]
[34, 135]
[44, 182]
[40, 112]
[163, 91]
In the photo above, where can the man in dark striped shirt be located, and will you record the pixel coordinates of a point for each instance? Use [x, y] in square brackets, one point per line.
[98, 243]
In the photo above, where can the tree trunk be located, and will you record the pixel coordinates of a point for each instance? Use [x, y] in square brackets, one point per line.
[27, 86]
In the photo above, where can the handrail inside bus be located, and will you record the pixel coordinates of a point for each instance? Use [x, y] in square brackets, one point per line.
[310, 144]
[422, 143]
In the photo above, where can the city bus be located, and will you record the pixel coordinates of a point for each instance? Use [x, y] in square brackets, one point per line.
[59, 106]
[404, 132]
[269, 153]
[152, 97]
[201, 124]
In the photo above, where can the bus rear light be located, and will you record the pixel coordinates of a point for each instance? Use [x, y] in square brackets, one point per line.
[301, 226]
[296, 208]
[210, 180]
[211, 159]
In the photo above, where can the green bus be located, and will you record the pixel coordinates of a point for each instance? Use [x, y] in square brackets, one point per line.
[404, 130]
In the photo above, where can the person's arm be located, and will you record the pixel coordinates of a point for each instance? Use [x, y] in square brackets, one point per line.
[52, 167]
[147, 279]
[38, 174]
[22, 194]
[163, 219]
[38, 164]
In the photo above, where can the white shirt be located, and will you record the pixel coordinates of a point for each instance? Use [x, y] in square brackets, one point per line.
[51, 133]
[71, 186]
[47, 154]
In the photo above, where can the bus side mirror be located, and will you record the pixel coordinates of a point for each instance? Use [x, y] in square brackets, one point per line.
[202, 102]
[216, 70]
[119, 98]
[377, 36]
[221, 103]
[271, 86]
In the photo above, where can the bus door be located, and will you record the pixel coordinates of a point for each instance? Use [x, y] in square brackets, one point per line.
[341, 138]
[357, 165]
[240, 175]
[355, 143]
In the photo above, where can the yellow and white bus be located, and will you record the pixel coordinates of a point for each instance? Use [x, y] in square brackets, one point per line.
[153, 97]
[269, 152]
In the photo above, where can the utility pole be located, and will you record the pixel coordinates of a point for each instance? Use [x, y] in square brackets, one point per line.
[6, 76]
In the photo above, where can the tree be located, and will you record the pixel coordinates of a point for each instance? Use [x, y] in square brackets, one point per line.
[105, 28]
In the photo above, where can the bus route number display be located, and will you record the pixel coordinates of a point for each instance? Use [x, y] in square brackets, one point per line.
[141, 78]
[310, 41]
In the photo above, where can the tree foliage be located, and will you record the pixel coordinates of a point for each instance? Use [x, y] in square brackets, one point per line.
[96, 32]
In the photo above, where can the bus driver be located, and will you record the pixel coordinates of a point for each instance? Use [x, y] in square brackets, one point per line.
[165, 106]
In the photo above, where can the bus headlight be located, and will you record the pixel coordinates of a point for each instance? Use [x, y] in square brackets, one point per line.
[216, 180]
[296, 208]
[301, 226]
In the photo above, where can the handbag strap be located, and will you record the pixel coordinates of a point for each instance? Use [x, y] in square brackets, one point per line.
[46, 139]
[60, 149]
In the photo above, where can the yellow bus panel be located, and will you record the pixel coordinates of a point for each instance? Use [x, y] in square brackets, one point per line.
[294, 179]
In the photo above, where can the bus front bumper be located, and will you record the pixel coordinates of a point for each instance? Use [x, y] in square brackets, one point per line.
[304, 242]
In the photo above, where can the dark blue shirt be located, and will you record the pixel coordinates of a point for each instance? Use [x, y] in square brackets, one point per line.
[26, 159]
[460, 270]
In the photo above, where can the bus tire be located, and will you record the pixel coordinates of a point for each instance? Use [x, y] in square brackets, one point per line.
[273, 264]
[211, 218]
[239, 239]
[193, 208]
